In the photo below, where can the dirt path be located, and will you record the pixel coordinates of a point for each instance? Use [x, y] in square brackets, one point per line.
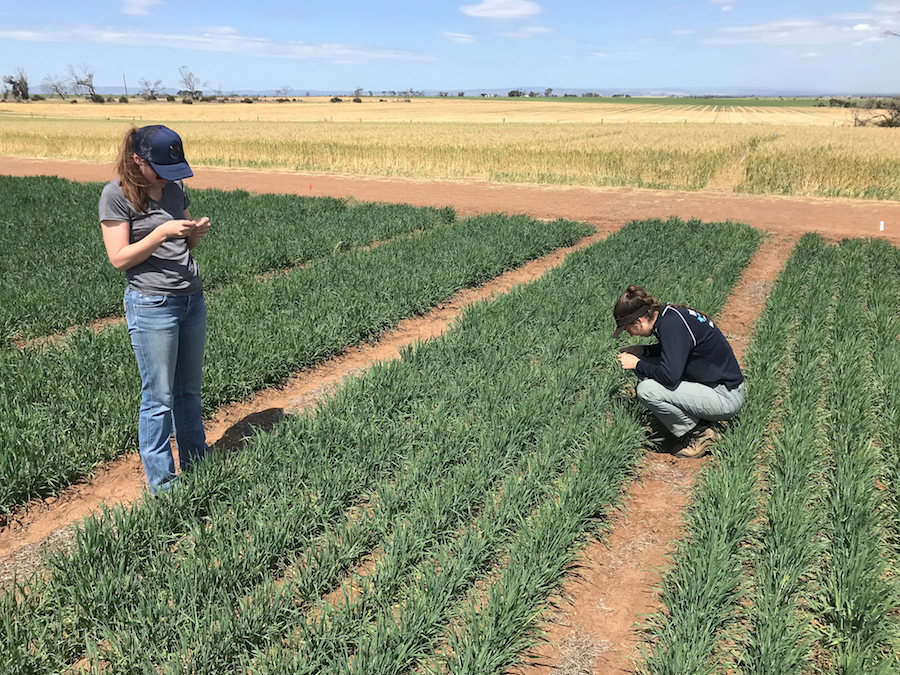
[607, 207]
[614, 587]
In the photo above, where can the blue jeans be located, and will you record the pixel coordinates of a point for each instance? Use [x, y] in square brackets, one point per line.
[168, 334]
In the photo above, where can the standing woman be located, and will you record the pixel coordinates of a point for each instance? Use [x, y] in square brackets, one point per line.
[689, 378]
[149, 233]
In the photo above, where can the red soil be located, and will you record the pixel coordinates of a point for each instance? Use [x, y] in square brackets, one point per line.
[594, 630]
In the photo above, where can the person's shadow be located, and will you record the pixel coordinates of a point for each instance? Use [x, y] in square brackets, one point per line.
[237, 435]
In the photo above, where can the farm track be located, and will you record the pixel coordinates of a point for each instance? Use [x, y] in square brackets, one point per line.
[621, 572]
[605, 208]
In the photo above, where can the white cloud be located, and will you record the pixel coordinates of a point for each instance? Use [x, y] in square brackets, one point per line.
[811, 55]
[728, 4]
[461, 38]
[791, 32]
[527, 32]
[502, 9]
[615, 56]
[683, 32]
[138, 7]
[223, 42]
[221, 30]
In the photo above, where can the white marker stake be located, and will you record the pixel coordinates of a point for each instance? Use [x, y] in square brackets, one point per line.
[882, 226]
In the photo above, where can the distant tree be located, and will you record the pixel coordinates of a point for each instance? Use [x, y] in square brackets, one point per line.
[191, 82]
[547, 92]
[357, 92]
[461, 94]
[18, 84]
[888, 114]
[284, 91]
[516, 92]
[81, 80]
[54, 86]
[149, 88]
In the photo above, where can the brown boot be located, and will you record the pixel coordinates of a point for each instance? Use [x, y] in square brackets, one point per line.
[696, 443]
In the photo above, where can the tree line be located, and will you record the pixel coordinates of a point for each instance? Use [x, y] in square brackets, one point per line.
[79, 80]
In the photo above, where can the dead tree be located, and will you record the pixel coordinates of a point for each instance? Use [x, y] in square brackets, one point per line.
[81, 79]
[54, 86]
[18, 84]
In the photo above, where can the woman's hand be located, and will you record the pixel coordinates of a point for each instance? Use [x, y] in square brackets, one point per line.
[178, 229]
[637, 350]
[201, 227]
[627, 360]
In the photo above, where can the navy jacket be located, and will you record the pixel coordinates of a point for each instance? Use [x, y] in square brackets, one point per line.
[691, 349]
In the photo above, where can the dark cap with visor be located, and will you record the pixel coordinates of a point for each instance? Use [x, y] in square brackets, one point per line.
[162, 147]
[622, 321]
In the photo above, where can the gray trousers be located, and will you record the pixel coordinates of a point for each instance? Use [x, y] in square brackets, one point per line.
[681, 409]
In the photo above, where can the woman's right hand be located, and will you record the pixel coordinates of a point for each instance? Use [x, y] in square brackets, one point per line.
[637, 350]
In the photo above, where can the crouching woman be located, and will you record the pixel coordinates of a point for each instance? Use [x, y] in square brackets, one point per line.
[690, 378]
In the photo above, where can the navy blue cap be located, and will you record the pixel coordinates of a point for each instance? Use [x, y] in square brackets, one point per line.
[162, 147]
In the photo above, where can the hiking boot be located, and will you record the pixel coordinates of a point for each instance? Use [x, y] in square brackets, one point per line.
[696, 443]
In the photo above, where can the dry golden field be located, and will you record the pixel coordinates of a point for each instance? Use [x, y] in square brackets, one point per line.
[779, 150]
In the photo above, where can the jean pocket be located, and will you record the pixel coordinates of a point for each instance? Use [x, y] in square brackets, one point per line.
[141, 300]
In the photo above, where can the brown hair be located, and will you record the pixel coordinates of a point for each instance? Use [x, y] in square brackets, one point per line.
[133, 183]
[636, 298]
[633, 299]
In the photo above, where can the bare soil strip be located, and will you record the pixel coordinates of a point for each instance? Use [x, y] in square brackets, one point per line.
[122, 480]
[615, 583]
[608, 208]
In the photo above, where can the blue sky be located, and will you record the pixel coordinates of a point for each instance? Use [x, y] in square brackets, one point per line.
[337, 45]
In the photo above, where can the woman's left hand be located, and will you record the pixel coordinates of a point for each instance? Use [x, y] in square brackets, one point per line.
[628, 360]
[201, 227]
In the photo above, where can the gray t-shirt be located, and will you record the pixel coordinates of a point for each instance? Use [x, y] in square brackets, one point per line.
[171, 269]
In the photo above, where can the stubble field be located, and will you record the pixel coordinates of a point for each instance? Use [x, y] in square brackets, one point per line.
[803, 151]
